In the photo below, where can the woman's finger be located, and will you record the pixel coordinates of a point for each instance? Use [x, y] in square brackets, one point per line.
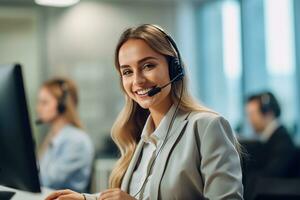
[71, 197]
[110, 190]
[57, 193]
[108, 194]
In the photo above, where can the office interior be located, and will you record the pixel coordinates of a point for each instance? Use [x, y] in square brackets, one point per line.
[232, 49]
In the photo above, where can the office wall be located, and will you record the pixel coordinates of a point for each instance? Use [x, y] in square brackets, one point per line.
[77, 42]
[80, 44]
[20, 42]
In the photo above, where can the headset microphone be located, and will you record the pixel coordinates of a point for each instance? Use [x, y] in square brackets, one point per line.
[156, 90]
[39, 122]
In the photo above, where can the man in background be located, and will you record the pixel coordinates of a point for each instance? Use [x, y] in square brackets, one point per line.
[272, 156]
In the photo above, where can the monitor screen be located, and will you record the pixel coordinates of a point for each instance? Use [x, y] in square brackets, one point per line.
[18, 167]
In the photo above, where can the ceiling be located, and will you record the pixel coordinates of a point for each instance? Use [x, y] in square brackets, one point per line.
[31, 2]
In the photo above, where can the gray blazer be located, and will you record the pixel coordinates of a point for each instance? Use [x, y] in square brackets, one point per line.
[199, 161]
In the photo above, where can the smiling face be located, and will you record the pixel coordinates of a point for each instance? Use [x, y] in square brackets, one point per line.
[141, 70]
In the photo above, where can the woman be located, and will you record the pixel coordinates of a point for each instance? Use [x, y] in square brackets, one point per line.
[67, 152]
[171, 147]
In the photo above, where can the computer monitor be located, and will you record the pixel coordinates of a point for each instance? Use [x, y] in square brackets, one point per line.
[18, 167]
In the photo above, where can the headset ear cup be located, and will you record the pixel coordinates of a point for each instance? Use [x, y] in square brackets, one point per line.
[61, 108]
[175, 69]
[265, 103]
[263, 109]
[179, 69]
[171, 68]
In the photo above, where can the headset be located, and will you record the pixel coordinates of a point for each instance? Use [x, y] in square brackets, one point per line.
[268, 103]
[265, 102]
[61, 104]
[176, 70]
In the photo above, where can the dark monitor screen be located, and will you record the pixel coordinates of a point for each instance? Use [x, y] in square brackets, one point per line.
[18, 167]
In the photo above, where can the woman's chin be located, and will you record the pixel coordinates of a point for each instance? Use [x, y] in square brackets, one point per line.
[145, 104]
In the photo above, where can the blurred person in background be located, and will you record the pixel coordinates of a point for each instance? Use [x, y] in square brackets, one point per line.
[66, 154]
[272, 155]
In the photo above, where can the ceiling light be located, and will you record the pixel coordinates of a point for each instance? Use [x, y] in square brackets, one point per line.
[56, 3]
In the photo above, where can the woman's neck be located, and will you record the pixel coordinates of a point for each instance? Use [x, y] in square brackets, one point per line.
[58, 124]
[158, 112]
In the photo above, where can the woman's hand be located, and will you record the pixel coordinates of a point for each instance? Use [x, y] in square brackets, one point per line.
[65, 195]
[115, 194]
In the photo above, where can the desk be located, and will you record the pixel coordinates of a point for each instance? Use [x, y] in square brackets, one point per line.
[22, 195]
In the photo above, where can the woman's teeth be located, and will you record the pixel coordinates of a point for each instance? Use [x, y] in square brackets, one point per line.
[143, 91]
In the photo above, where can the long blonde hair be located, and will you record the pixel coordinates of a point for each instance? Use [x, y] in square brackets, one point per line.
[128, 126]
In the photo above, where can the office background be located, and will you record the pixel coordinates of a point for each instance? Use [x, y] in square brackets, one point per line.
[232, 48]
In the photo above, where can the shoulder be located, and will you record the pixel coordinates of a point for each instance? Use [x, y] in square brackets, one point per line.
[203, 115]
[210, 123]
[74, 135]
[281, 136]
[205, 118]
[281, 130]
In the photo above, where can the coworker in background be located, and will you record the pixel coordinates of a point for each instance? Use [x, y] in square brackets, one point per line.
[273, 156]
[171, 147]
[67, 152]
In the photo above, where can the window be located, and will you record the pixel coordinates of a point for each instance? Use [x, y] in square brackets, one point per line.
[220, 58]
[280, 55]
[232, 58]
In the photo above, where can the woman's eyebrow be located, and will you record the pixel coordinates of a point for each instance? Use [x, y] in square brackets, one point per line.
[124, 66]
[146, 58]
[140, 61]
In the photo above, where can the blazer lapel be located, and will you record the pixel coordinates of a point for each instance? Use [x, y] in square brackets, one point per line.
[129, 171]
[161, 161]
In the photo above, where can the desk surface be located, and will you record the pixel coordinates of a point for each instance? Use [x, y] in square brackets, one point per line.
[22, 195]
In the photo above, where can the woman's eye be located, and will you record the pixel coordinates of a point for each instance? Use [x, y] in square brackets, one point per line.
[126, 72]
[148, 66]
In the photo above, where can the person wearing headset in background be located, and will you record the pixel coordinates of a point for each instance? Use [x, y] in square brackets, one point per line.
[273, 155]
[67, 153]
[171, 147]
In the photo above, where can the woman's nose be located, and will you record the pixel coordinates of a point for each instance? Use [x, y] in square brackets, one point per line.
[139, 79]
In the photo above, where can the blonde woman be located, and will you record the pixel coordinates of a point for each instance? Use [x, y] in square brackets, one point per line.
[171, 147]
[67, 152]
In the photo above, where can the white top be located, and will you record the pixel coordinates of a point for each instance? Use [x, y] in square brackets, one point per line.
[153, 139]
